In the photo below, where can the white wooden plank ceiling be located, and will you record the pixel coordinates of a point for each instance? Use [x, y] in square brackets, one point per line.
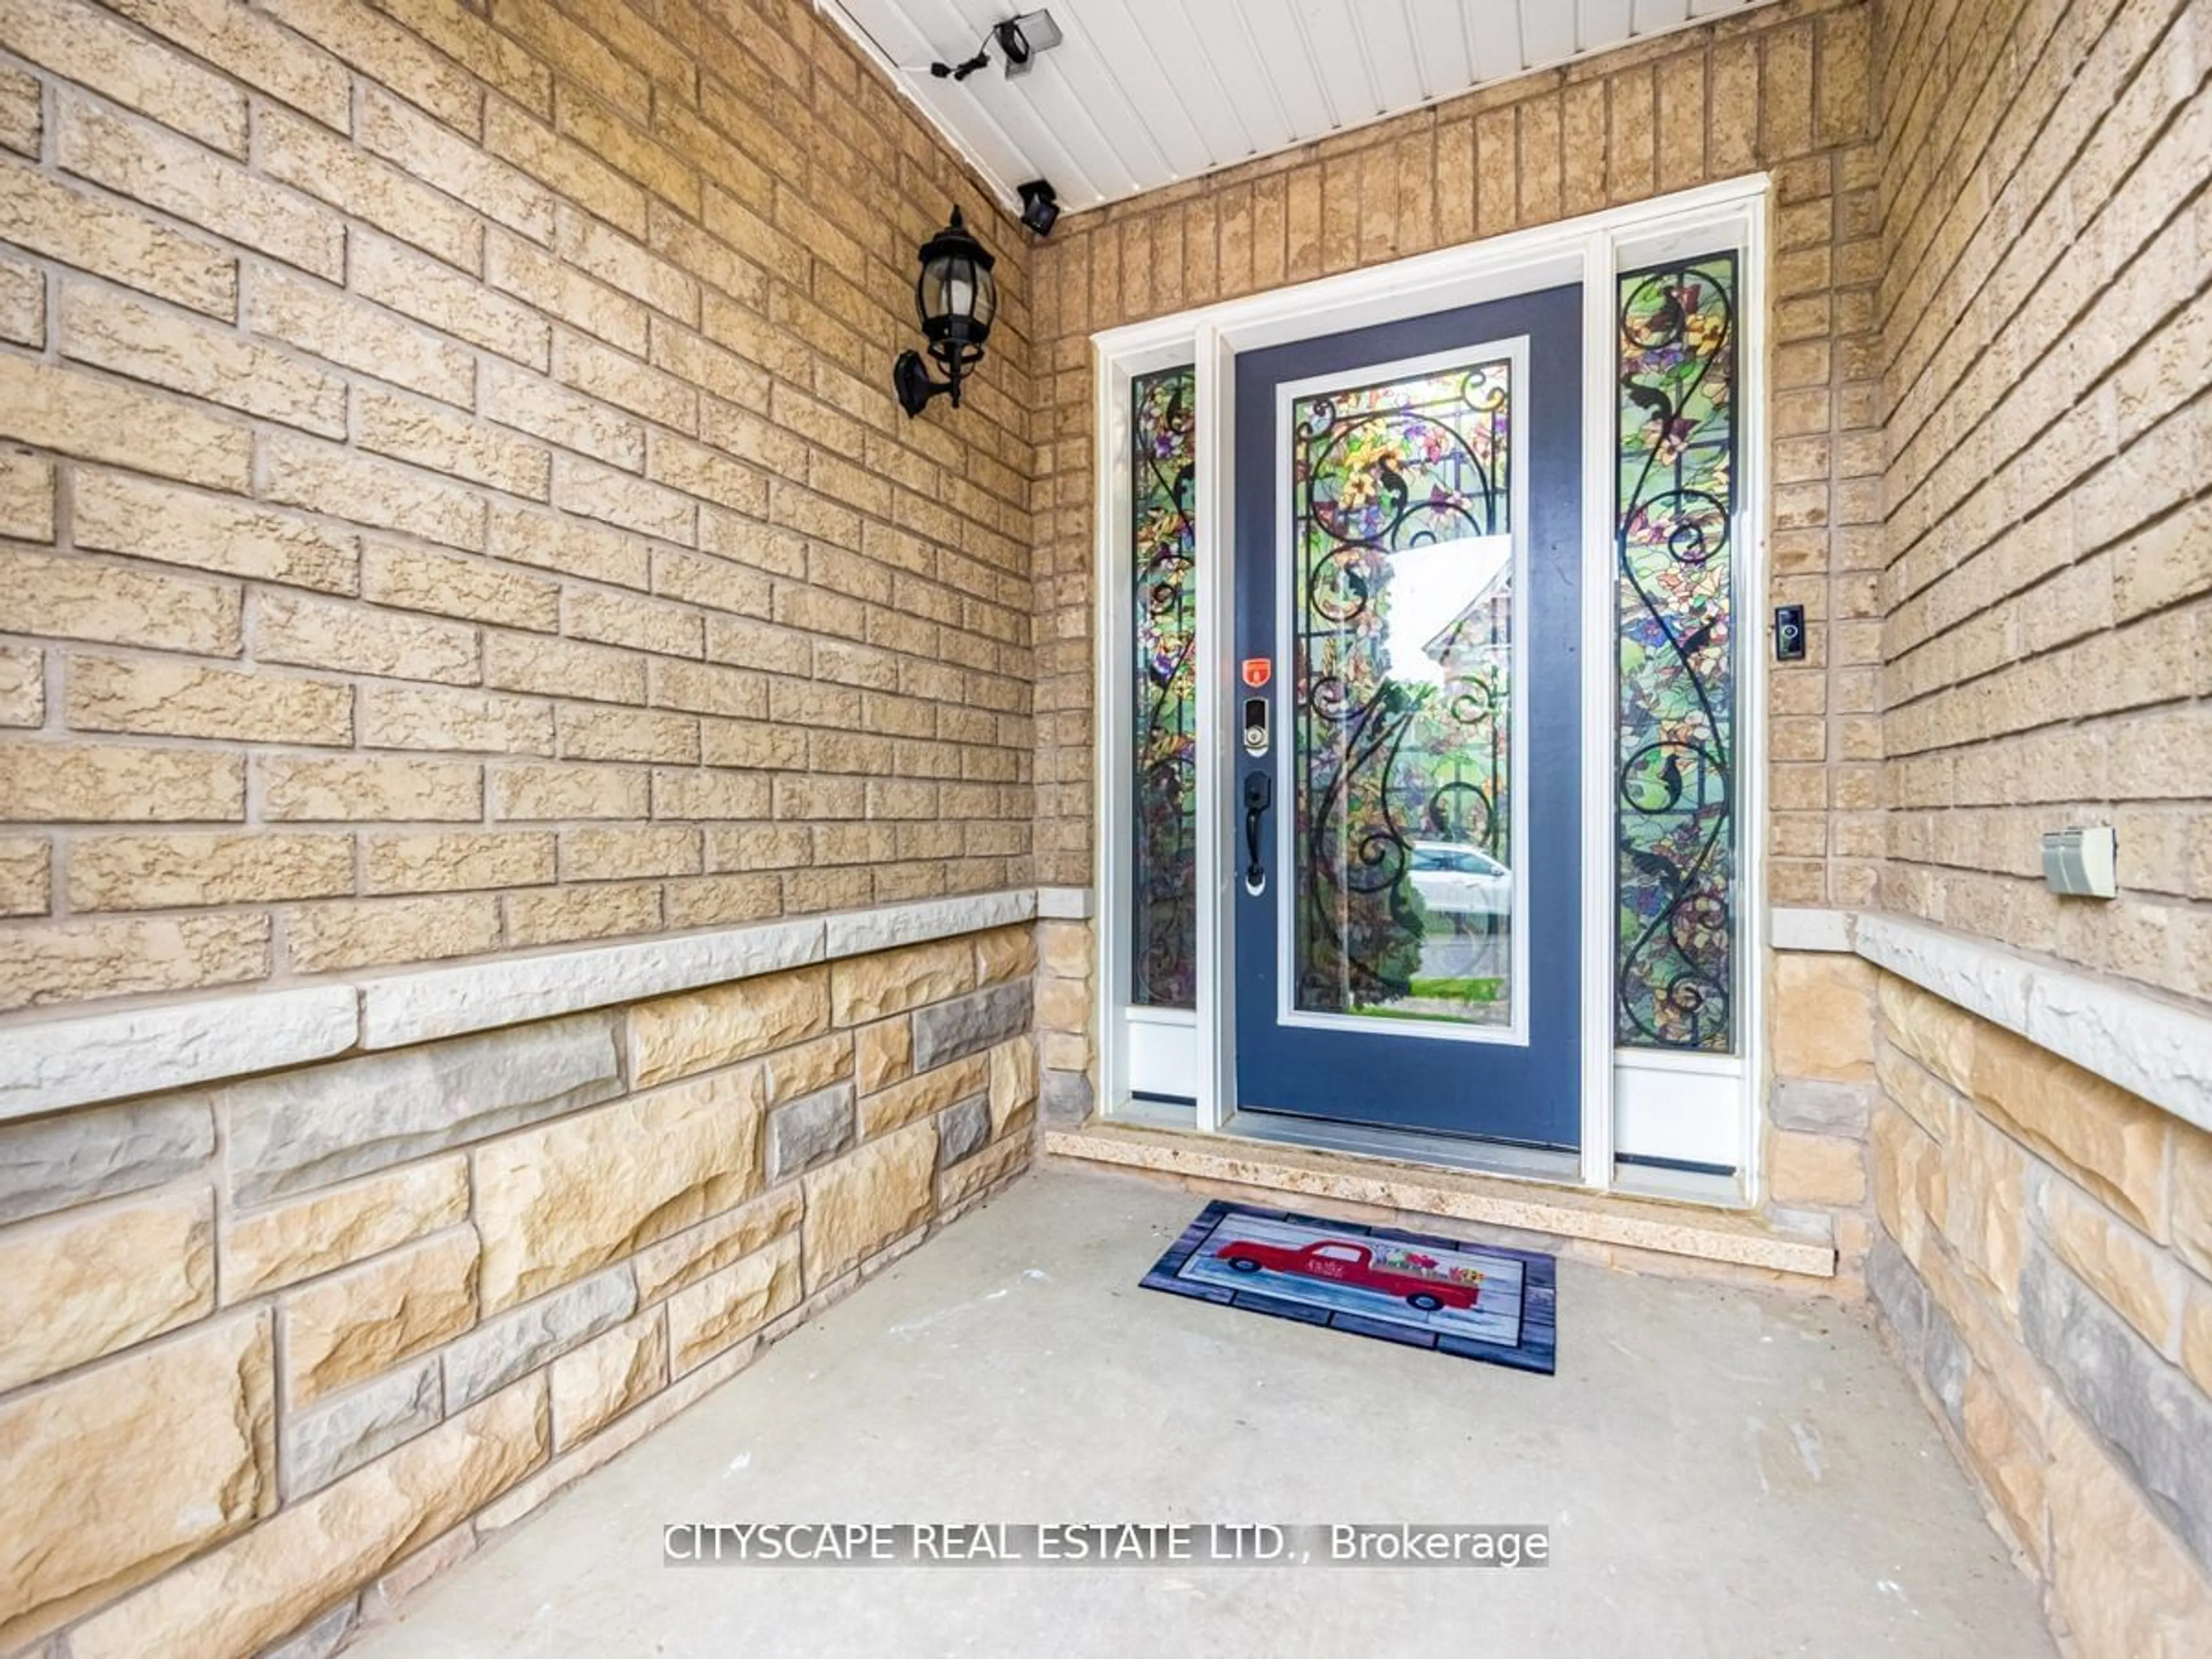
[1143, 92]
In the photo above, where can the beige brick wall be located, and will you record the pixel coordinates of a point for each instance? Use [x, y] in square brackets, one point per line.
[323, 1331]
[2047, 1266]
[1784, 88]
[451, 498]
[2046, 306]
[2043, 1257]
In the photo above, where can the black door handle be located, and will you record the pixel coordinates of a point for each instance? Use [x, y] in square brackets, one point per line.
[1258, 795]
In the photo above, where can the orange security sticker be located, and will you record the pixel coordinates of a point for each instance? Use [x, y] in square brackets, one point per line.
[1257, 671]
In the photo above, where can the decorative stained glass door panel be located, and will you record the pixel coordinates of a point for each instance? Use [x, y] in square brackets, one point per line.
[1402, 602]
[1408, 560]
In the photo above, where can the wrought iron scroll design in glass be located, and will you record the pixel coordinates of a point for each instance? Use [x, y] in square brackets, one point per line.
[1676, 969]
[1396, 491]
[1164, 949]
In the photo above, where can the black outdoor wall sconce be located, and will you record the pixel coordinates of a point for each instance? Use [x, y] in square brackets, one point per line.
[955, 299]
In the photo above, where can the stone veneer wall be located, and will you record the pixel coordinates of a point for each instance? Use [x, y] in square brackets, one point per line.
[1066, 1014]
[2046, 312]
[1820, 1096]
[277, 1340]
[2045, 1265]
[451, 496]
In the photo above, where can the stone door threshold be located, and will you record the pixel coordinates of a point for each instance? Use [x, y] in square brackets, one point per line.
[1352, 1178]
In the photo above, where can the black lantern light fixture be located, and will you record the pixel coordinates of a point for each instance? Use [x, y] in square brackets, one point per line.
[955, 299]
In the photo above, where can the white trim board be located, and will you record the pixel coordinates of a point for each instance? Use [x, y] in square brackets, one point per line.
[83, 1057]
[1717, 1108]
[2157, 1049]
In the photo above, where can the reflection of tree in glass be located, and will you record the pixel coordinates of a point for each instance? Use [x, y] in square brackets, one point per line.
[1344, 909]
[1457, 783]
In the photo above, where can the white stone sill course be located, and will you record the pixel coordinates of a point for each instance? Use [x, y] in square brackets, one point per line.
[1789, 928]
[2159, 1050]
[51, 1064]
[1064, 903]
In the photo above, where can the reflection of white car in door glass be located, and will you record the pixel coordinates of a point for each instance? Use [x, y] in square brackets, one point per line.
[1456, 880]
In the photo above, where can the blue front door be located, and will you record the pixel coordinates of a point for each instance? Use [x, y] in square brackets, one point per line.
[1407, 807]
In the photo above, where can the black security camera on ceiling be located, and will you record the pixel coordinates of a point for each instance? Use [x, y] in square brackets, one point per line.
[1019, 40]
[1040, 206]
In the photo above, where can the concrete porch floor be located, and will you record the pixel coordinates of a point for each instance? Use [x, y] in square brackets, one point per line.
[1725, 1472]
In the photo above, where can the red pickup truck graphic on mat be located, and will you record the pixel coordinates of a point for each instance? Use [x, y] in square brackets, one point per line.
[1355, 1265]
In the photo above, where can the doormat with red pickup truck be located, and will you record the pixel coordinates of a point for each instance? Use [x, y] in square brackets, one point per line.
[1471, 1301]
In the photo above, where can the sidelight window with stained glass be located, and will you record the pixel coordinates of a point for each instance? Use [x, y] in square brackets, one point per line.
[1676, 968]
[1163, 429]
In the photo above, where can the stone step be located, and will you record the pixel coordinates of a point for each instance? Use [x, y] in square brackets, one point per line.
[1424, 1189]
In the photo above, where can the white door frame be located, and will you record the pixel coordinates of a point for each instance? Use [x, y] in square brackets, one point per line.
[1698, 1102]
